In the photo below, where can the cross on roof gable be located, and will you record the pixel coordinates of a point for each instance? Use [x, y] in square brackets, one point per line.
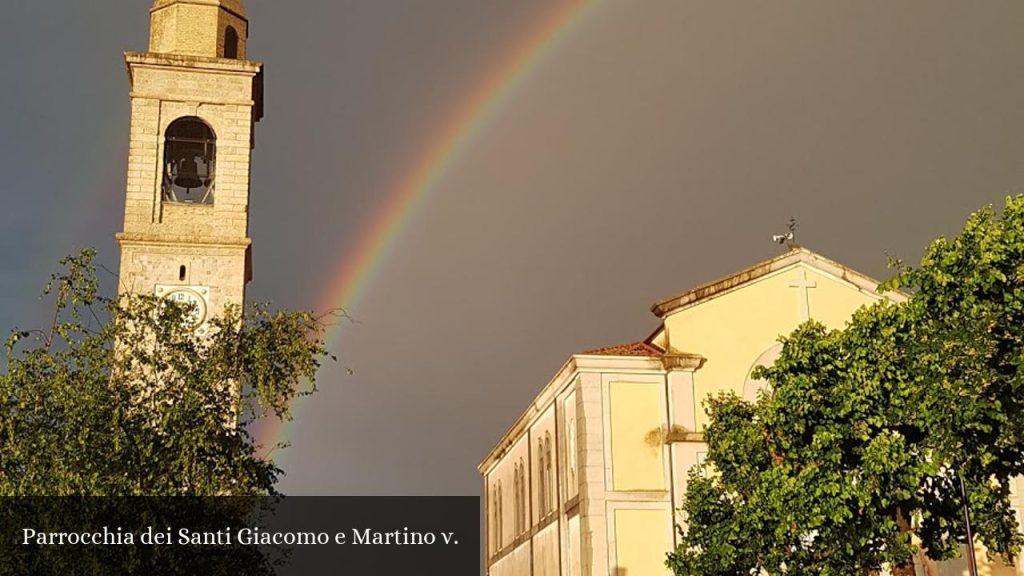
[794, 255]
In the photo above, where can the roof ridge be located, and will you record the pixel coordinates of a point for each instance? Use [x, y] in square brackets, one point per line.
[793, 255]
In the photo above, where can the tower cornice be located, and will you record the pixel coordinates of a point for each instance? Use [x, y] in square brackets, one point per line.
[190, 62]
[162, 240]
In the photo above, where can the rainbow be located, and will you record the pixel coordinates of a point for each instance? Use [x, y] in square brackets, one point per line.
[466, 121]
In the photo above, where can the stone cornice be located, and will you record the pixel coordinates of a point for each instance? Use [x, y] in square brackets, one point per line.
[136, 239]
[690, 362]
[189, 62]
[678, 434]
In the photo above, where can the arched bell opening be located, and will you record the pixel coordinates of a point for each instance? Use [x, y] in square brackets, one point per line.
[190, 153]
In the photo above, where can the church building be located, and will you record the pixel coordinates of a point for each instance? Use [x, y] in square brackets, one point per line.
[589, 479]
[195, 99]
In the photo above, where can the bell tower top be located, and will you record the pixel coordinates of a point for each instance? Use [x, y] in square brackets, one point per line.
[210, 28]
[195, 101]
[235, 6]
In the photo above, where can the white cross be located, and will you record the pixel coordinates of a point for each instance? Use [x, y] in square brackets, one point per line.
[804, 306]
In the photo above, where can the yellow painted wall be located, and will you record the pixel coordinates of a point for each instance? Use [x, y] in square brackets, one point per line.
[516, 563]
[546, 551]
[573, 544]
[641, 542]
[958, 567]
[637, 412]
[519, 564]
[733, 329]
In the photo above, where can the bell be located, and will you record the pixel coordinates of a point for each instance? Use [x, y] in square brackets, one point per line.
[188, 175]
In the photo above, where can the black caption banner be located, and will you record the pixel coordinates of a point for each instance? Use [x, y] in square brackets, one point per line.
[280, 536]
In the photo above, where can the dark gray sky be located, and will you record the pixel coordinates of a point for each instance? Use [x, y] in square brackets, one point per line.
[656, 148]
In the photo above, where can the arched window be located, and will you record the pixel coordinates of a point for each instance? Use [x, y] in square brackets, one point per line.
[230, 42]
[526, 501]
[190, 152]
[570, 456]
[501, 515]
[752, 387]
[515, 501]
[549, 477]
[522, 497]
[542, 500]
[495, 545]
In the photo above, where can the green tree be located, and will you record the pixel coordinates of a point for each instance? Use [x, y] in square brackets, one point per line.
[853, 460]
[119, 397]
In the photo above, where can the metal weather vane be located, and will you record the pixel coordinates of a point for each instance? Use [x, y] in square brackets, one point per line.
[789, 238]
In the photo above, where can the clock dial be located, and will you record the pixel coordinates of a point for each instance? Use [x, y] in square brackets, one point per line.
[196, 315]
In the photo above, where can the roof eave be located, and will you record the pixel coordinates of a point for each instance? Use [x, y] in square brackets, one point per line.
[794, 255]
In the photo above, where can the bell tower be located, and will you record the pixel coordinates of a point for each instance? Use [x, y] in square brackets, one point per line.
[195, 99]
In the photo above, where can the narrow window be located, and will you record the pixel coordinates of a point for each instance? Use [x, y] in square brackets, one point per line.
[190, 151]
[542, 498]
[494, 521]
[231, 42]
[500, 515]
[571, 456]
[516, 503]
[549, 476]
[181, 273]
[522, 497]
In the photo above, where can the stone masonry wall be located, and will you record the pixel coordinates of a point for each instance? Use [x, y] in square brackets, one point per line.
[210, 241]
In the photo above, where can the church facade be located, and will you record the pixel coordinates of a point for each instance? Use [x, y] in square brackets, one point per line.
[589, 478]
[195, 99]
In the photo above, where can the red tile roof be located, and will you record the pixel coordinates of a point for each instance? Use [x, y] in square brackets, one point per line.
[632, 349]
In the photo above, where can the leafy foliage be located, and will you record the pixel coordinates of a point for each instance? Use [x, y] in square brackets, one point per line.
[853, 460]
[119, 397]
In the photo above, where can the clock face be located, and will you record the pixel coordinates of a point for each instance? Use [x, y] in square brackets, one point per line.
[194, 295]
